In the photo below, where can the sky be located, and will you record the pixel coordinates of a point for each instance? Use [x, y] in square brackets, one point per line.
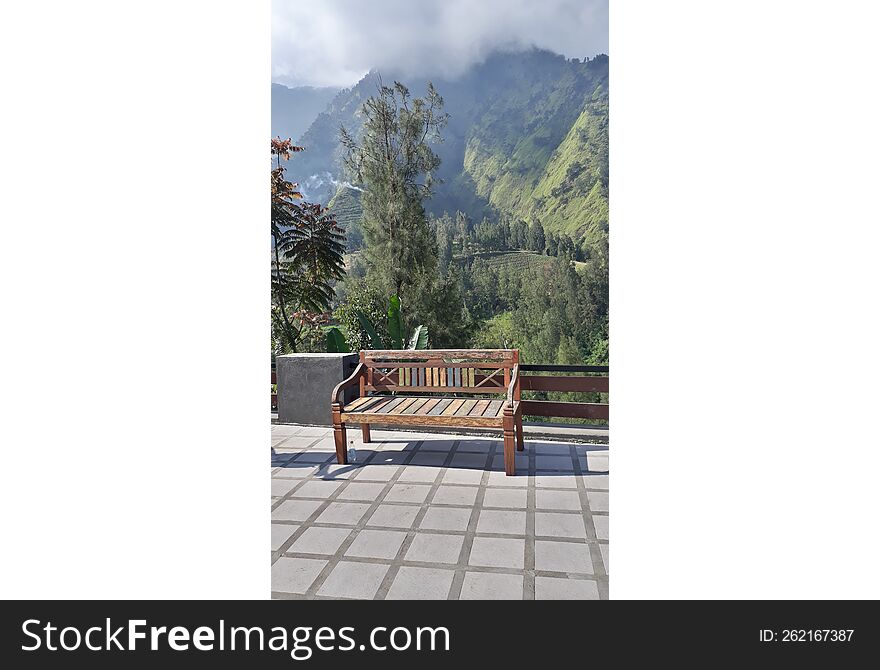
[336, 42]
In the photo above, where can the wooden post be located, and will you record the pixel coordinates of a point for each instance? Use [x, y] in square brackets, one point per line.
[339, 434]
[365, 427]
[517, 396]
[509, 440]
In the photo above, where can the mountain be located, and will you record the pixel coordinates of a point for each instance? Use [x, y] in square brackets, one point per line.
[294, 109]
[527, 137]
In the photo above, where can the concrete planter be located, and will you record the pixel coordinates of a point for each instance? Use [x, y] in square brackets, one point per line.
[305, 382]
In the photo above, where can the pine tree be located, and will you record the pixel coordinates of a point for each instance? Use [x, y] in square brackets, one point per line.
[393, 161]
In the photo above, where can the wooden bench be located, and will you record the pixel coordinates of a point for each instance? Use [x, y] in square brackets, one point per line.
[424, 388]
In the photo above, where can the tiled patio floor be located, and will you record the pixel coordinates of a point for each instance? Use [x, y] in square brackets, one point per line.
[433, 516]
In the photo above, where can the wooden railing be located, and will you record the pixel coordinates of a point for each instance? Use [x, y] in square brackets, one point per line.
[574, 379]
[596, 382]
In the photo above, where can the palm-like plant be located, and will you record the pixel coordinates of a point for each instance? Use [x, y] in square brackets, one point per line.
[308, 247]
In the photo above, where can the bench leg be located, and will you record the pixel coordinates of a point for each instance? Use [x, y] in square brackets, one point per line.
[339, 435]
[339, 438]
[365, 431]
[509, 445]
[520, 441]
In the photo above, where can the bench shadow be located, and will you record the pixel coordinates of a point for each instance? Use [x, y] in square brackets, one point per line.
[429, 454]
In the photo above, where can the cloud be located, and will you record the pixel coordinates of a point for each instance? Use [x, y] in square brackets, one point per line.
[335, 42]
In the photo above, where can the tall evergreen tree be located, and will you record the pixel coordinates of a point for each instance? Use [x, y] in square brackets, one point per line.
[393, 161]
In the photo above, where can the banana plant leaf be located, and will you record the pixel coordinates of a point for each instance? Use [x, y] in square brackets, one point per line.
[336, 343]
[375, 341]
[419, 339]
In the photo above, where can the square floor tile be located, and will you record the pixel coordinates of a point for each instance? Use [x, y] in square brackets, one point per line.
[285, 429]
[435, 548]
[498, 552]
[446, 518]
[455, 495]
[601, 524]
[295, 510]
[431, 443]
[499, 478]
[516, 498]
[502, 521]
[566, 500]
[594, 481]
[474, 446]
[598, 501]
[432, 460]
[377, 473]
[354, 580]
[563, 557]
[347, 513]
[557, 524]
[361, 491]
[295, 575]
[556, 463]
[313, 457]
[314, 431]
[411, 493]
[547, 448]
[376, 544]
[469, 461]
[414, 473]
[281, 487]
[281, 532]
[555, 480]
[294, 470]
[389, 459]
[491, 586]
[560, 588]
[316, 489]
[420, 584]
[455, 476]
[317, 540]
[394, 516]
[595, 464]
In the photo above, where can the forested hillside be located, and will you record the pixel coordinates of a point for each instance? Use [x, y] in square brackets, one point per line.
[527, 138]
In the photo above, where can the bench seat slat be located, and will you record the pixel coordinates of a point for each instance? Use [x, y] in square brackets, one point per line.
[428, 412]
[402, 406]
[466, 407]
[440, 406]
[479, 408]
[416, 406]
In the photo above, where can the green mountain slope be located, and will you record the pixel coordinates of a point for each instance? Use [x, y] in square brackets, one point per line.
[346, 206]
[527, 136]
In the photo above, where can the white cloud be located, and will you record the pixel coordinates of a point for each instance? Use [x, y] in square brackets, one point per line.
[335, 42]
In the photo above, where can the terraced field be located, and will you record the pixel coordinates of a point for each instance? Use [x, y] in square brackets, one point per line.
[518, 260]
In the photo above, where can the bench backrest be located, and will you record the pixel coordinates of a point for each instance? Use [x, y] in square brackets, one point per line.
[438, 370]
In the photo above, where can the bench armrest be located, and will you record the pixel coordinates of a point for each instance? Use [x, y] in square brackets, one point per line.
[514, 386]
[347, 383]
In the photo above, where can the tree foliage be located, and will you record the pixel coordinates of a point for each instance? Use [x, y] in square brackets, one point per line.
[393, 160]
[307, 248]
